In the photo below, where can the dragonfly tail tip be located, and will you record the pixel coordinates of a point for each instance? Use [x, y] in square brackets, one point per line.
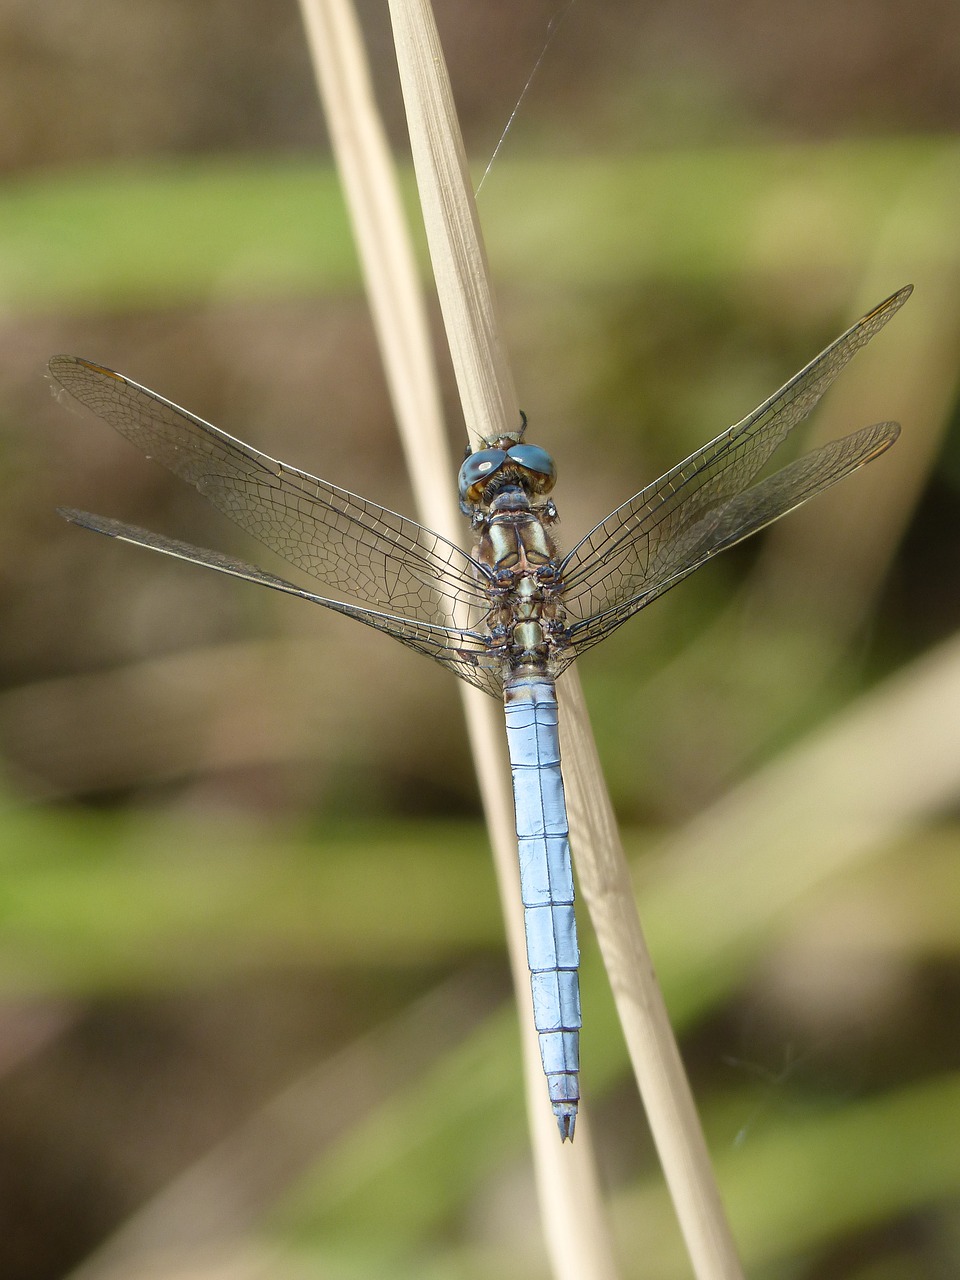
[566, 1120]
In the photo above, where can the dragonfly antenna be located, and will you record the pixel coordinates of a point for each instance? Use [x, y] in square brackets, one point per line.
[553, 27]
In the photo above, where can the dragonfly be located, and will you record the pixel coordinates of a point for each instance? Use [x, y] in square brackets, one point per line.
[513, 614]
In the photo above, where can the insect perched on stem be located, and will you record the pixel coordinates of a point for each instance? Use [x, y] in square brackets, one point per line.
[513, 615]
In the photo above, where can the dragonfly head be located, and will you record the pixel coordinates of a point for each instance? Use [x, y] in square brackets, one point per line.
[504, 465]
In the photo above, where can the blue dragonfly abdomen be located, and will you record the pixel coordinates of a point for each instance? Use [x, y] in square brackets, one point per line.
[546, 886]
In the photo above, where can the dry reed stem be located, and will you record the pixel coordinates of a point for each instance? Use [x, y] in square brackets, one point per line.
[574, 1225]
[654, 1054]
[490, 407]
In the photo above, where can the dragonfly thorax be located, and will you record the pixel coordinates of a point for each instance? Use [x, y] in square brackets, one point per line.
[513, 537]
[513, 542]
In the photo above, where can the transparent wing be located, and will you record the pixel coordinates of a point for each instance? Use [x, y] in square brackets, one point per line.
[346, 542]
[466, 653]
[745, 514]
[636, 548]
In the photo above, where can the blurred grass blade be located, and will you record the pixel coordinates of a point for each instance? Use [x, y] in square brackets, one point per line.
[165, 233]
[870, 776]
[814, 1180]
[217, 1201]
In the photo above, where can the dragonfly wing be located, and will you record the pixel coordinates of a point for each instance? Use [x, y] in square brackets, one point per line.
[743, 515]
[634, 548]
[466, 653]
[345, 541]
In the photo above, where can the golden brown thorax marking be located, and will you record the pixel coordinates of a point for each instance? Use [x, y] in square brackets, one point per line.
[515, 544]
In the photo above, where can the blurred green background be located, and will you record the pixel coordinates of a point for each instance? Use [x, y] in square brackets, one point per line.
[254, 1007]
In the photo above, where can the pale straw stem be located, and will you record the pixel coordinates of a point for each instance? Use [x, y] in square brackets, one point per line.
[604, 879]
[489, 402]
[574, 1224]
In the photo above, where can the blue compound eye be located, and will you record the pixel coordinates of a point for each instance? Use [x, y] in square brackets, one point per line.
[533, 458]
[477, 470]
